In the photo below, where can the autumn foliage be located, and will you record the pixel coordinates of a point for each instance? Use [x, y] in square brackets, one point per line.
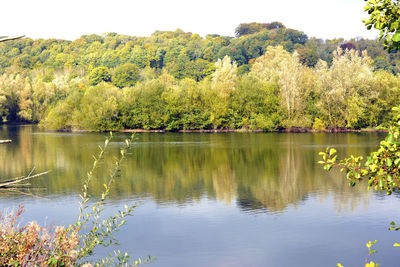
[23, 246]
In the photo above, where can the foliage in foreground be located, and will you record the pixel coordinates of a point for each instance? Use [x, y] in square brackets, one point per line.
[72, 245]
[381, 168]
[384, 16]
[21, 246]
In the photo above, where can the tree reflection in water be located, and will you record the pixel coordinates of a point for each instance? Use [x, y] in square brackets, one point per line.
[263, 172]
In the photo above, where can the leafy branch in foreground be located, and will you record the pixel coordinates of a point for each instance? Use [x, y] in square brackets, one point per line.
[384, 16]
[71, 246]
[381, 168]
[100, 231]
[370, 252]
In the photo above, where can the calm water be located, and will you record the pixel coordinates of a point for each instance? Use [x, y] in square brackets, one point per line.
[238, 199]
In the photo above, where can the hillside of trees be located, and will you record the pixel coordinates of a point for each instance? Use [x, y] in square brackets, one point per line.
[268, 77]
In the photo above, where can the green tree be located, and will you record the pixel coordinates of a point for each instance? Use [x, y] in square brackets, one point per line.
[98, 75]
[250, 28]
[99, 108]
[222, 87]
[126, 75]
[308, 57]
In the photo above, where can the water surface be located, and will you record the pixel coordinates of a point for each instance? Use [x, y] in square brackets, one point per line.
[231, 199]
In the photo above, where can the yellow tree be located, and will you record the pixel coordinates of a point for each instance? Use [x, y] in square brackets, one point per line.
[222, 86]
[345, 88]
[283, 69]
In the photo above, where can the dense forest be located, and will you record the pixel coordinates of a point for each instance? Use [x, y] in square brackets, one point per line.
[268, 77]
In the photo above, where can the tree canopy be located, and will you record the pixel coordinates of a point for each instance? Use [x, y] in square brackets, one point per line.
[274, 78]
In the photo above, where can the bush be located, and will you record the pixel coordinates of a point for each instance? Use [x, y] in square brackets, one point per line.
[20, 246]
[33, 245]
[318, 125]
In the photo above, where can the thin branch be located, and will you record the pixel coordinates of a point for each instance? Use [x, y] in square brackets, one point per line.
[12, 180]
[4, 39]
[22, 179]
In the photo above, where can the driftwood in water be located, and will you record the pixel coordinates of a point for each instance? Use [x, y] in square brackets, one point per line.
[5, 141]
[16, 181]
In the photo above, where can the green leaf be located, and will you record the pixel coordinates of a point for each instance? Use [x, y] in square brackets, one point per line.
[388, 162]
[381, 183]
[390, 138]
[396, 37]
[394, 26]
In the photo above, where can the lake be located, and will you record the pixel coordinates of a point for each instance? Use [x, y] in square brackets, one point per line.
[207, 199]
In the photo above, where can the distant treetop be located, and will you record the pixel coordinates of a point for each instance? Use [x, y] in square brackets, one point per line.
[253, 27]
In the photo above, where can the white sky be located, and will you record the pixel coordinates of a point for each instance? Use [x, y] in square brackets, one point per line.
[70, 19]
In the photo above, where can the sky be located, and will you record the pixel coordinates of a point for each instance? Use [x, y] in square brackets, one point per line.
[70, 19]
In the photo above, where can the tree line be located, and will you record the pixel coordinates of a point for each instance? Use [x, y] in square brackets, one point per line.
[266, 78]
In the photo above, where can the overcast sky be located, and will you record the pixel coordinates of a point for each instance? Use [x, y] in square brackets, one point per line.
[73, 18]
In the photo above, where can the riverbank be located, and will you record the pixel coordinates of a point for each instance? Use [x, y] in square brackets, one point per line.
[243, 130]
[289, 130]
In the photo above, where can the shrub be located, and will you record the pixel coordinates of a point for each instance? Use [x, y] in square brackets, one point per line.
[20, 246]
[318, 125]
[32, 245]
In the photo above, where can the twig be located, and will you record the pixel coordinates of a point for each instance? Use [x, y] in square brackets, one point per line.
[4, 38]
[22, 179]
[12, 180]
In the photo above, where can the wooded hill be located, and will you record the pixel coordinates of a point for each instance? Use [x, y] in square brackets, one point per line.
[268, 77]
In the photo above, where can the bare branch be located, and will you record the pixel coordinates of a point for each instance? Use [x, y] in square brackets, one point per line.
[16, 181]
[5, 38]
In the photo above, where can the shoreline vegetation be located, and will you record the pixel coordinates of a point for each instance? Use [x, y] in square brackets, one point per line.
[267, 78]
[289, 130]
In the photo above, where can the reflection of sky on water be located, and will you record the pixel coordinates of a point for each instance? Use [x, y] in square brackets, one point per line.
[208, 233]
